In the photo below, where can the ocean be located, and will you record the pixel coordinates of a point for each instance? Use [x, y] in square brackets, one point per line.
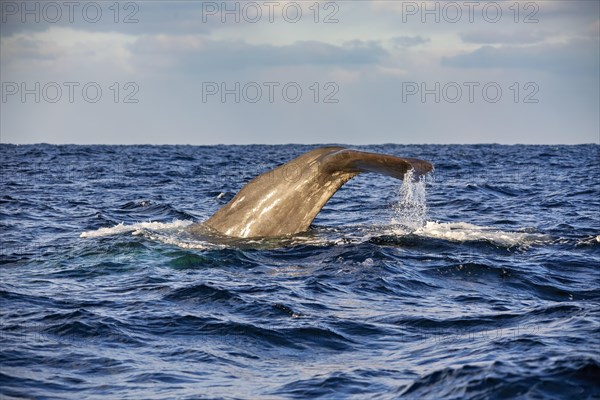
[479, 282]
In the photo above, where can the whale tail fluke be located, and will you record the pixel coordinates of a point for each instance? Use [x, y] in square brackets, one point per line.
[358, 161]
[286, 199]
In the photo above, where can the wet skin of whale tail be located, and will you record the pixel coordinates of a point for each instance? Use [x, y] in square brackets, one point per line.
[285, 200]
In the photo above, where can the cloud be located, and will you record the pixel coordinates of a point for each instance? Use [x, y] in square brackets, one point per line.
[64, 51]
[408, 41]
[576, 56]
[31, 50]
[507, 37]
[200, 52]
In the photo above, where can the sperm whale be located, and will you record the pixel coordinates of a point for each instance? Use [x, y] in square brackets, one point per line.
[286, 199]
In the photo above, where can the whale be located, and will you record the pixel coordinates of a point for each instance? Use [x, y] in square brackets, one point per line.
[285, 200]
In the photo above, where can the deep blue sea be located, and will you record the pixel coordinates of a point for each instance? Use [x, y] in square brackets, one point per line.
[481, 282]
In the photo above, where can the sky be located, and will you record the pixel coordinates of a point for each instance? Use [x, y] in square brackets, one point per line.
[351, 72]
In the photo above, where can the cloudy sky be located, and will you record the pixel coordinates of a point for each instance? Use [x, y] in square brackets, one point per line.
[352, 72]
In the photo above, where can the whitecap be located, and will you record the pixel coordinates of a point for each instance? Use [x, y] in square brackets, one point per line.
[464, 232]
[136, 229]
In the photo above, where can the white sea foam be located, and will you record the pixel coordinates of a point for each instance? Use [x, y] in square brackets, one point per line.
[169, 233]
[183, 242]
[464, 232]
[136, 229]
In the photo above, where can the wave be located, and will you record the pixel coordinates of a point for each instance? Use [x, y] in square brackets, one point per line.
[466, 232]
[564, 378]
[174, 233]
[136, 229]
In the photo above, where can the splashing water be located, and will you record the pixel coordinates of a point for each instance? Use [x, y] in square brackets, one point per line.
[410, 213]
[410, 217]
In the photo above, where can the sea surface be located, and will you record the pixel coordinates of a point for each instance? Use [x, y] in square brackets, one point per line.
[480, 282]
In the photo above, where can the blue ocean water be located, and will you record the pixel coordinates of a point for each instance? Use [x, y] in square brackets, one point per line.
[481, 282]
